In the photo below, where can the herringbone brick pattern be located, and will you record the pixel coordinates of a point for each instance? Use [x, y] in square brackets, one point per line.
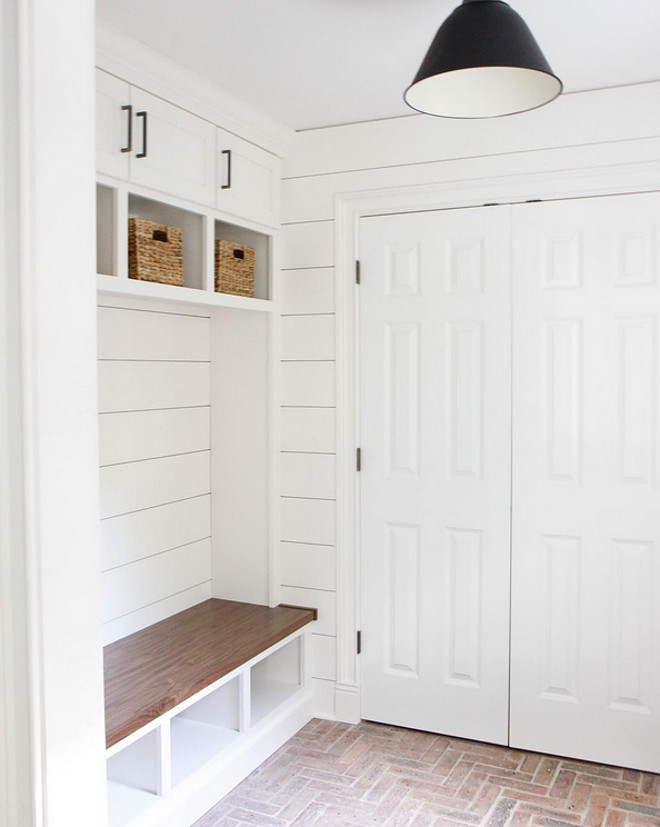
[333, 774]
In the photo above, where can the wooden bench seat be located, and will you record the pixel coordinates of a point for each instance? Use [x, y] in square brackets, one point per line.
[154, 670]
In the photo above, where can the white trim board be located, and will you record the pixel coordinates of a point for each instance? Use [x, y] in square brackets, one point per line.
[17, 753]
[54, 435]
[580, 118]
[349, 208]
[311, 199]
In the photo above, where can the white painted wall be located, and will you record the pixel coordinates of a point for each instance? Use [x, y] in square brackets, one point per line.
[414, 162]
[16, 753]
[307, 451]
[155, 463]
[240, 455]
[51, 699]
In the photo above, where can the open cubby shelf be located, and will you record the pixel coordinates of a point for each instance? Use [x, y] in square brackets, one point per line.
[194, 744]
[127, 803]
[200, 229]
[206, 694]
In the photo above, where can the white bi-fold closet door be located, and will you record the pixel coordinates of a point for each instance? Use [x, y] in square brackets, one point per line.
[510, 511]
[436, 478]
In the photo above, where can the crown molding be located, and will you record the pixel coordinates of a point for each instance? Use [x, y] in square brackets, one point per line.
[142, 66]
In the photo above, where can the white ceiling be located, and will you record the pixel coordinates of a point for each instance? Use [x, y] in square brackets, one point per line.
[312, 63]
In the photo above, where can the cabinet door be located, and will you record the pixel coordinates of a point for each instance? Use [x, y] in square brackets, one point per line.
[173, 151]
[112, 125]
[248, 180]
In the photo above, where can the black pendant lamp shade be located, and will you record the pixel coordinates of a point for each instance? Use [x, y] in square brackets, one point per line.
[483, 63]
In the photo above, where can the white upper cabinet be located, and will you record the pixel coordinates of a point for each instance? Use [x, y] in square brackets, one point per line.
[248, 180]
[114, 125]
[173, 150]
[148, 141]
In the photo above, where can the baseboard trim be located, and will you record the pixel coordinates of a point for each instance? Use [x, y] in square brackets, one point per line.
[347, 703]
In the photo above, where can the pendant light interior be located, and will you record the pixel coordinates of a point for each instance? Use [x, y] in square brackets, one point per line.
[483, 92]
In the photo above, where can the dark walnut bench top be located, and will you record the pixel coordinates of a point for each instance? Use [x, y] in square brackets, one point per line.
[150, 672]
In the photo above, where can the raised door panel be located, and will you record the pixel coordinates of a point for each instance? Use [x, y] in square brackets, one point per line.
[435, 481]
[248, 180]
[112, 124]
[585, 667]
[180, 150]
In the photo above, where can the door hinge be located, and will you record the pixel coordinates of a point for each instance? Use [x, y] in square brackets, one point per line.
[358, 459]
[357, 272]
[359, 643]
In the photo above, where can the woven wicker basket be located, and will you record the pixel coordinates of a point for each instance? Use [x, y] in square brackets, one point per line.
[234, 268]
[154, 252]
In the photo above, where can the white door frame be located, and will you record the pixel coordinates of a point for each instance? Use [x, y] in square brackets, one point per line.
[622, 167]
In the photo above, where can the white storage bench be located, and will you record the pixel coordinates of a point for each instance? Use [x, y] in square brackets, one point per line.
[196, 702]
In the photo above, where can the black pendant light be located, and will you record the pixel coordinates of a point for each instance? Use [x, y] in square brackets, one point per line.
[483, 63]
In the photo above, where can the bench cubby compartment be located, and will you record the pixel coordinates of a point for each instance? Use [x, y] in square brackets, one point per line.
[134, 778]
[205, 728]
[274, 680]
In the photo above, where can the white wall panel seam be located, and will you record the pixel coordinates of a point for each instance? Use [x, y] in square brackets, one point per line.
[303, 315]
[158, 456]
[314, 499]
[152, 410]
[160, 361]
[311, 221]
[313, 267]
[308, 588]
[107, 305]
[308, 543]
[157, 553]
[159, 505]
[311, 453]
[156, 602]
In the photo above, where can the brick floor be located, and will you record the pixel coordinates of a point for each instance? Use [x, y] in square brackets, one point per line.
[335, 774]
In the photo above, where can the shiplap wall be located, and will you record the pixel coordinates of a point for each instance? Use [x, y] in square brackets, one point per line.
[155, 479]
[577, 131]
[307, 459]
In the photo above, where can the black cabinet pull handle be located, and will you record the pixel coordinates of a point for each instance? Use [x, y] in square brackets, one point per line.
[129, 133]
[227, 186]
[143, 115]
